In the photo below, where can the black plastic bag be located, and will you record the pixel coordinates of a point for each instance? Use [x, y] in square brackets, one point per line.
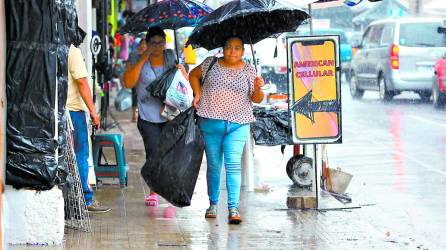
[36, 73]
[172, 171]
[271, 127]
[158, 88]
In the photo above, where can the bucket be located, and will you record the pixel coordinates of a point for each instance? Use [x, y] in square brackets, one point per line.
[339, 180]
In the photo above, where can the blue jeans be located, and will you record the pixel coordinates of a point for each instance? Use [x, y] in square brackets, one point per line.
[80, 138]
[224, 140]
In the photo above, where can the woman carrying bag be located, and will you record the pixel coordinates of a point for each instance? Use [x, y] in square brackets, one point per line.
[139, 74]
[224, 105]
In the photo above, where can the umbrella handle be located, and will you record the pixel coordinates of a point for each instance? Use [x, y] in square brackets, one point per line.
[255, 64]
[253, 55]
[175, 45]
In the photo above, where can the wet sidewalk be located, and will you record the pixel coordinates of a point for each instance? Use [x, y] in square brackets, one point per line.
[131, 225]
[267, 223]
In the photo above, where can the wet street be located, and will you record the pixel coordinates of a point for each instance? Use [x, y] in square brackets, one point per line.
[396, 153]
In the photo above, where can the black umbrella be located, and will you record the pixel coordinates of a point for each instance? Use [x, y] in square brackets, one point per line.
[251, 20]
[167, 14]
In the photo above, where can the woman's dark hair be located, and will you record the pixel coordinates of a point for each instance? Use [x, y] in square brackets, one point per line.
[155, 31]
[232, 37]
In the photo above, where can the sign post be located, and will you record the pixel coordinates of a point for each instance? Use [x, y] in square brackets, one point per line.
[314, 93]
[95, 48]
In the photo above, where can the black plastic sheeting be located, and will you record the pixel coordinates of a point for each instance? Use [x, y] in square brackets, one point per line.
[173, 170]
[272, 127]
[38, 37]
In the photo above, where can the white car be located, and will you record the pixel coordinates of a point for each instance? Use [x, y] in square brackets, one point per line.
[398, 55]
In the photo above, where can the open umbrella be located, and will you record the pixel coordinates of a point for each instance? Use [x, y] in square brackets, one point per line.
[167, 14]
[251, 20]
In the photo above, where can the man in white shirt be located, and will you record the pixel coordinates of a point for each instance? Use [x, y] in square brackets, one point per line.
[79, 102]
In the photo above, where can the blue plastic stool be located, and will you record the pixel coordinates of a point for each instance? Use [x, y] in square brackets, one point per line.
[102, 166]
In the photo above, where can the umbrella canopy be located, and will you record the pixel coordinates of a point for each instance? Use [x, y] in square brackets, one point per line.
[251, 20]
[167, 14]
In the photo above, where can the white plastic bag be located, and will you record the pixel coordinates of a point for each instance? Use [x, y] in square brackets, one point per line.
[179, 95]
[123, 100]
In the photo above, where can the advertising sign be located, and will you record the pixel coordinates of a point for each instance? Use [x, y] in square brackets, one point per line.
[314, 87]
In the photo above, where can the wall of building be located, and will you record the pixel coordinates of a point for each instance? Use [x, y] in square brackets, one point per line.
[84, 12]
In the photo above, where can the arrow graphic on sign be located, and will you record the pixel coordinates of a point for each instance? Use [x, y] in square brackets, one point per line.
[307, 108]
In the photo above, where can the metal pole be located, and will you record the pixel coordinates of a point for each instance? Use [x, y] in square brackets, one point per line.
[311, 19]
[418, 5]
[315, 146]
[316, 174]
[93, 76]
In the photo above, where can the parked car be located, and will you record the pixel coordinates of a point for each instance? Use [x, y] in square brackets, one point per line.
[345, 46]
[439, 83]
[354, 38]
[397, 55]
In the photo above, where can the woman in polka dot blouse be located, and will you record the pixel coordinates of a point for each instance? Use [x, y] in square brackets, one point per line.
[224, 104]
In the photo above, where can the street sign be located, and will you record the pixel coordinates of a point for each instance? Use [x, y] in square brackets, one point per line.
[95, 45]
[314, 85]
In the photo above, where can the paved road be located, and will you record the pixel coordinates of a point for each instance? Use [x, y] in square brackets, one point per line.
[397, 154]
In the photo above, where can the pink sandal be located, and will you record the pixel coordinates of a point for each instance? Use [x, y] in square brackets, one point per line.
[151, 200]
[169, 212]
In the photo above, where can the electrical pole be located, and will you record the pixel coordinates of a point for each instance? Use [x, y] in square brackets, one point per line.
[418, 4]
